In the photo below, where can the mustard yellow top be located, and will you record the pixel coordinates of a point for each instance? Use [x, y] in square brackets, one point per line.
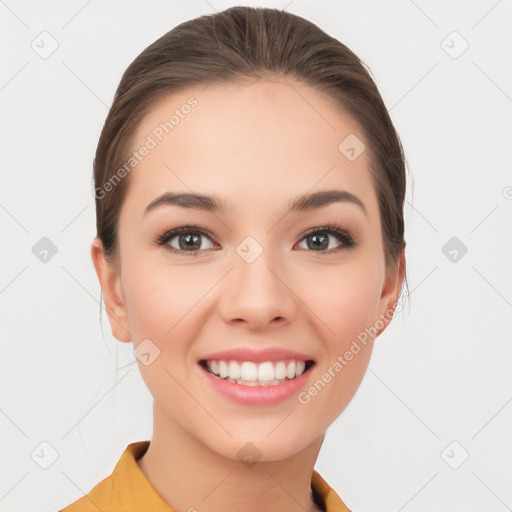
[128, 490]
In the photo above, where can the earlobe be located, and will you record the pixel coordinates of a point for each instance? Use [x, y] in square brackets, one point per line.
[110, 281]
[391, 293]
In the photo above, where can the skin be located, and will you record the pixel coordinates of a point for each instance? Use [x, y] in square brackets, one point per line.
[258, 146]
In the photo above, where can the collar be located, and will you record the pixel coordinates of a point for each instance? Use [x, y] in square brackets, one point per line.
[134, 491]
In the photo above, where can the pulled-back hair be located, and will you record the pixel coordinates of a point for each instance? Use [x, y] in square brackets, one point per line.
[236, 45]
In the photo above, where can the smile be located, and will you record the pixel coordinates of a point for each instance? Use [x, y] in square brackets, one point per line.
[249, 373]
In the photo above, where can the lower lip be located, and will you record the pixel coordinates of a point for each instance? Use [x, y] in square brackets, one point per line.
[257, 395]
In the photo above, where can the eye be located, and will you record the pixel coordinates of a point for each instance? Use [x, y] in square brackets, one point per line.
[188, 240]
[317, 239]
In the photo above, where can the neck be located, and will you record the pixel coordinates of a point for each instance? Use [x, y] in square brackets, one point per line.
[190, 476]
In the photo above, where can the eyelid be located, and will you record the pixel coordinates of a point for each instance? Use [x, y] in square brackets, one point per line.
[344, 236]
[348, 239]
[168, 235]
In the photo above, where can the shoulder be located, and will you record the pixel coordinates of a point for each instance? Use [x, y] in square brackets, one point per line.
[331, 500]
[95, 499]
[124, 485]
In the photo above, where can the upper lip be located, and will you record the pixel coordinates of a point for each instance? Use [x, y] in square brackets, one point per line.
[251, 354]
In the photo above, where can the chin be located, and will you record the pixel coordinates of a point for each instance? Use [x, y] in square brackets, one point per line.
[252, 446]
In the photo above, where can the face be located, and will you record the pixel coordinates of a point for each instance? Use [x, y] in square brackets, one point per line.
[253, 274]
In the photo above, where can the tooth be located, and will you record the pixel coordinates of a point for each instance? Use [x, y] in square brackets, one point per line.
[301, 365]
[247, 382]
[266, 372]
[234, 370]
[248, 371]
[254, 374]
[223, 369]
[280, 371]
[290, 370]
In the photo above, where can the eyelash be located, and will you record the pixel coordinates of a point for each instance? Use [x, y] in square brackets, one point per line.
[343, 236]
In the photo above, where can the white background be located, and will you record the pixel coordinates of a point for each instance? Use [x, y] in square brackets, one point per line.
[440, 373]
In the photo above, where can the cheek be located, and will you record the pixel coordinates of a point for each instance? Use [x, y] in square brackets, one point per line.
[343, 301]
[144, 305]
[345, 312]
[159, 302]
[157, 295]
[346, 303]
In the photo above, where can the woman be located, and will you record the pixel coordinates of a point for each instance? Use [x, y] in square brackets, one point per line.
[250, 244]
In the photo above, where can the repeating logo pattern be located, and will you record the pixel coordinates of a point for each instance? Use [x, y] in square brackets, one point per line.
[461, 238]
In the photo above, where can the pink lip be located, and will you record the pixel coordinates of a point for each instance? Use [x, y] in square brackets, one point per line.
[257, 395]
[249, 354]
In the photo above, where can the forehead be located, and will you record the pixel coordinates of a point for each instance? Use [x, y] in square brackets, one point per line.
[259, 141]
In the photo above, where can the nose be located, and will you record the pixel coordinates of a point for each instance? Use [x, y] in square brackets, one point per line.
[257, 294]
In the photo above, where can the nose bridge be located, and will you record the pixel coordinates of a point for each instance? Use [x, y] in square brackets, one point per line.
[255, 290]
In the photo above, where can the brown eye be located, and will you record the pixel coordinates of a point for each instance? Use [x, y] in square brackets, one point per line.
[324, 239]
[185, 239]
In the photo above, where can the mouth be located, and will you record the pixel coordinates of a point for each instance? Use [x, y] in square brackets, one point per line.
[250, 373]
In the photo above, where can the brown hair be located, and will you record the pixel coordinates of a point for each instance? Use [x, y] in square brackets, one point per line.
[243, 43]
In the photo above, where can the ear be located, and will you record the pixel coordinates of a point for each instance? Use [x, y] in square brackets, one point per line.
[110, 281]
[390, 293]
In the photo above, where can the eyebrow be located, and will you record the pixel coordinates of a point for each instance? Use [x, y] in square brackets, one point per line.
[214, 204]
